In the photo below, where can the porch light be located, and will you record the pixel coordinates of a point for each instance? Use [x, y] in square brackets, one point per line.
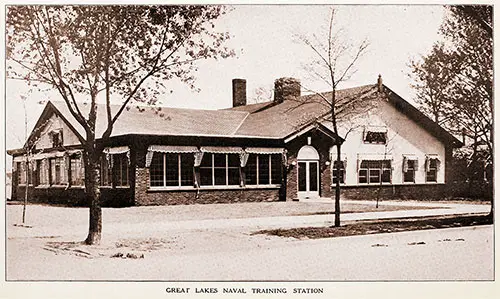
[327, 163]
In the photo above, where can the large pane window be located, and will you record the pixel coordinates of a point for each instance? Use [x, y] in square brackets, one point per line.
[233, 169]
[187, 170]
[43, 171]
[21, 173]
[56, 171]
[157, 170]
[276, 169]
[372, 172]
[220, 175]
[264, 174]
[171, 170]
[220, 170]
[120, 169]
[206, 170]
[263, 169]
[76, 171]
[106, 173]
[251, 170]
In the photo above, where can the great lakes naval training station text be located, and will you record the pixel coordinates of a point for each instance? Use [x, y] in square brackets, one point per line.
[177, 290]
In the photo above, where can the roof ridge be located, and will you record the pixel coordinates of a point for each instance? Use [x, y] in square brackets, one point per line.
[153, 107]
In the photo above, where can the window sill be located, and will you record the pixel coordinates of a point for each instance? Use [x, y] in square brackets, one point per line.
[212, 188]
[375, 184]
[261, 186]
[59, 186]
[115, 187]
[42, 187]
[172, 188]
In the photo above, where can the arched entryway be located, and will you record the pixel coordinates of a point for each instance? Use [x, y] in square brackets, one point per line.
[308, 172]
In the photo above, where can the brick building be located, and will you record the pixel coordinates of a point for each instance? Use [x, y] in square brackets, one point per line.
[278, 150]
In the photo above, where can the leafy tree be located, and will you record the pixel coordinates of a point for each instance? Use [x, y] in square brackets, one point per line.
[455, 80]
[115, 54]
[333, 63]
[431, 75]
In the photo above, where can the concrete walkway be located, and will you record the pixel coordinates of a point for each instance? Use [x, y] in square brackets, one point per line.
[317, 220]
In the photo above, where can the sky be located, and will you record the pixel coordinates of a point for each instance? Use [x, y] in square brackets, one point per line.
[263, 38]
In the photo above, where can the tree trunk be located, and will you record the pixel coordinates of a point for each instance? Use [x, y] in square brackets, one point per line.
[337, 189]
[93, 196]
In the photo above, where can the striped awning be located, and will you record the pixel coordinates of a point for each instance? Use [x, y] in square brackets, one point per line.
[264, 150]
[432, 156]
[116, 150]
[410, 157]
[19, 159]
[172, 149]
[221, 149]
[374, 157]
[376, 129]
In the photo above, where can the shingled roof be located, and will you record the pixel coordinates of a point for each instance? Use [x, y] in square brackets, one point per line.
[283, 119]
[263, 120]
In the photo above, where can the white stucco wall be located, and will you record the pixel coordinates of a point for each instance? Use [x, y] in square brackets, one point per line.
[405, 137]
[55, 123]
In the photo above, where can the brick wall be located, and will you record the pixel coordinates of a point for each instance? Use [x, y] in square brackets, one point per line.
[120, 197]
[144, 197]
[386, 192]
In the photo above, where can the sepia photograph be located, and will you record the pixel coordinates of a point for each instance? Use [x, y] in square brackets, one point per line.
[249, 143]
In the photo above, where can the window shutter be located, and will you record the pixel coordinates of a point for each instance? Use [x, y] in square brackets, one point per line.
[149, 157]
[405, 164]
[415, 165]
[198, 156]
[244, 158]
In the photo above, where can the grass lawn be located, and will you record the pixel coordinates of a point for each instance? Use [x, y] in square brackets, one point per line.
[380, 226]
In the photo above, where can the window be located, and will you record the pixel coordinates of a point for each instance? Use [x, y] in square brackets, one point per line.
[21, 173]
[57, 171]
[375, 137]
[220, 169]
[171, 169]
[56, 138]
[120, 169]
[43, 172]
[76, 178]
[409, 169]
[431, 171]
[372, 172]
[334, 172]
[106, 173]
[263, 169]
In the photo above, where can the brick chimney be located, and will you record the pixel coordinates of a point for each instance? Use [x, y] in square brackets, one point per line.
[286, 88]
[239, 92]
[379, 84]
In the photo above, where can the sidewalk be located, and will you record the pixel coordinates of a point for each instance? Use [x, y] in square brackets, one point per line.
[310, 220]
